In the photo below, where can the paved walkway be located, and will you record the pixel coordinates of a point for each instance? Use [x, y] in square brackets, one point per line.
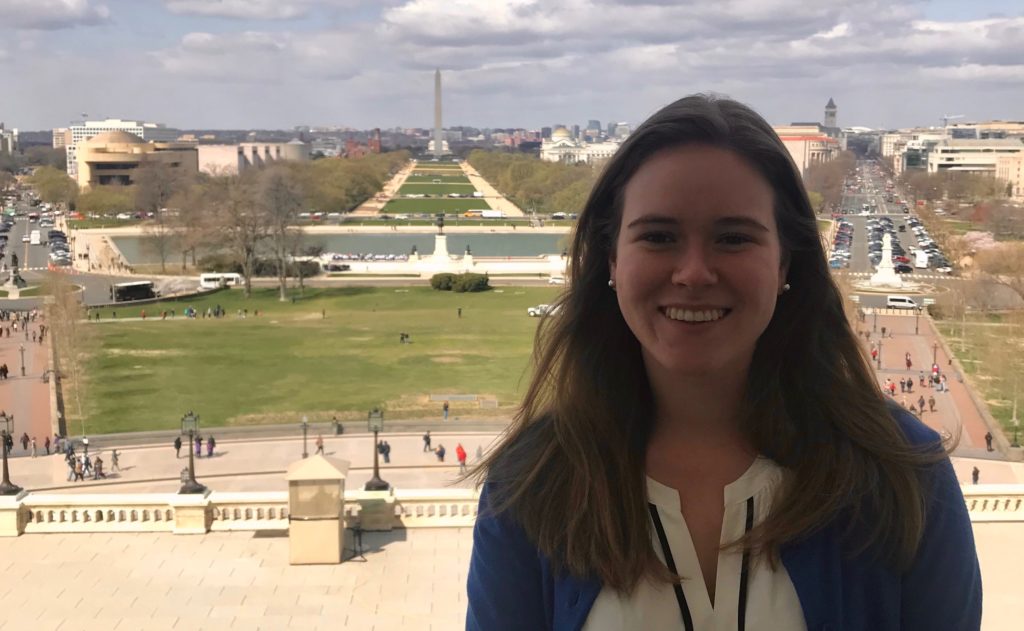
[28, 397]
[374, 204]
[496, 200]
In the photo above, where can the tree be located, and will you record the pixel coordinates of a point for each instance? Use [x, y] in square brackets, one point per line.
[6, 181]
[54, 186]
[46, 156]
[230, 202]
[106, 200]
[281, 201]
[72, 339]
[155, 184]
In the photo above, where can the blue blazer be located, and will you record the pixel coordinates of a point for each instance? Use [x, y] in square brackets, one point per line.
[512, 585]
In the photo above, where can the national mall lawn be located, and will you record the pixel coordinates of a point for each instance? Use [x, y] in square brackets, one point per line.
[292, 361]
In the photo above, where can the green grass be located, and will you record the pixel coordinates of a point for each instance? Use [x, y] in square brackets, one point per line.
[426, 178]
[434, 205]
[436, 189]
[290, 361]
[974, 343]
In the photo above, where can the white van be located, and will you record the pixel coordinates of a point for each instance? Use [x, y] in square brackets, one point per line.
[900, 302]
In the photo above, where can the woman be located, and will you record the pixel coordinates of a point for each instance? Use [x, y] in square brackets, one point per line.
[703, 444]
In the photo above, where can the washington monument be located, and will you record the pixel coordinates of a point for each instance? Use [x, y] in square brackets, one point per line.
[437, 114]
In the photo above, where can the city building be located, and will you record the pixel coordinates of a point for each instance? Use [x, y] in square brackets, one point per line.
[808, 144]
[972, 156]
[8, 140]
[562, 147]
[1011, 170]
[234, 159]
[146, 131]
[61, 138]
[112, 157]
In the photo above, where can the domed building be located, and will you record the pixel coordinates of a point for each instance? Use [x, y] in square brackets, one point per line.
[562, 147]
[113, 156]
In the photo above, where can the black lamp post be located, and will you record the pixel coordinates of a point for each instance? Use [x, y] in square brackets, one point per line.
[375, 421]
[6, 429]
[874, 324]
[935, 353]
[879, 353]
[21, 347]
[190, 426]
[305, 428]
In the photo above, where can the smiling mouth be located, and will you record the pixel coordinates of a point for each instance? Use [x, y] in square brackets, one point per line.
[695, 316]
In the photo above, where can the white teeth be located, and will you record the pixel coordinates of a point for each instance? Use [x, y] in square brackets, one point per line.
[685, 315]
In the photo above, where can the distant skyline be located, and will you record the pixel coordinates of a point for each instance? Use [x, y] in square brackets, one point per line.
[276, 64]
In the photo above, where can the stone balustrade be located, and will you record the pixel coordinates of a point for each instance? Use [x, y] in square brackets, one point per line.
[412, 508]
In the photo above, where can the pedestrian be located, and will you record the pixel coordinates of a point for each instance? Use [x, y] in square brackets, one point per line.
[85, 445]
[33, 446]
[199, 446]
[931, 403]
[920, 404]
[903, 384]
[988, 441]
[460, 312]
[975, 474]
[479, 453]
[70, 462]
[211, 442]
[24, 441]
[440, 452]
[386, 451]
[460, 455]
[945, 384]
[98, 469]
[426, 441]
[319, 444]
[922, 378]
[874, 353]
[46, 444]
[177, 446]
[445, 408]
[79, 470]
[909, 363]
[641, 409]
[86, 464]
[115, 461]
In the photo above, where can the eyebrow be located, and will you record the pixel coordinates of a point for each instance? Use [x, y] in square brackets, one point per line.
[738, 221]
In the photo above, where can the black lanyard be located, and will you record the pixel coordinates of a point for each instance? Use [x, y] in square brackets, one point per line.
[684, 609]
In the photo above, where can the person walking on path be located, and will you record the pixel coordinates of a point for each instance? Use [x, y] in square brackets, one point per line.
[975, 474]
[426, 442]
[211, 443]
[988, 441]
[79, 470]
[386, 451]
[86, 464]
[46, 445]
[460, 454]
[445, 408]
[114, 464]
[920, 404]
[931, 403]
[440, 452]
[319, 444]
[33, 446]
[98, 469]
[199, 446]
[24, 441]
[177, 446]
[907, 359]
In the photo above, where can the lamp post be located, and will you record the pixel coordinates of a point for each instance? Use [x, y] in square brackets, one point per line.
[6, 429]
[190, 426]
[305, 428]
[879, 353]
[375, 421]
[874, 325]
[935, 352]
[917, 317]
[21, 348]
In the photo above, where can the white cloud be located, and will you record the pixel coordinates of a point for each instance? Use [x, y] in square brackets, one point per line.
[254, 9]
[51, 14]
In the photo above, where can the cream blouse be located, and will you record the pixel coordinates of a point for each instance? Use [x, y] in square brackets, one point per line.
[772, 603]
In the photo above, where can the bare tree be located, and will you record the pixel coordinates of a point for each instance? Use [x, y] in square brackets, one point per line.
[155, 184]
[231, 203]
[72, 340]
[281, 200]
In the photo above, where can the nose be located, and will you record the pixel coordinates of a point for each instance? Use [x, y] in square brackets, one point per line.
[694, 266]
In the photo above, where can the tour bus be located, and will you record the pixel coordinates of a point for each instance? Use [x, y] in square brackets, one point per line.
[138, 290]
[35, 238]
[216, 280]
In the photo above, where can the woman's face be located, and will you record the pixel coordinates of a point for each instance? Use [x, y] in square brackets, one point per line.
[697, 264]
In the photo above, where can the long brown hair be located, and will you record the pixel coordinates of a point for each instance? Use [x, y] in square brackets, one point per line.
[571, 469]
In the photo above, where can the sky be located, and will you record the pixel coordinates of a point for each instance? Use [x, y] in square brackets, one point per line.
[275, 64]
